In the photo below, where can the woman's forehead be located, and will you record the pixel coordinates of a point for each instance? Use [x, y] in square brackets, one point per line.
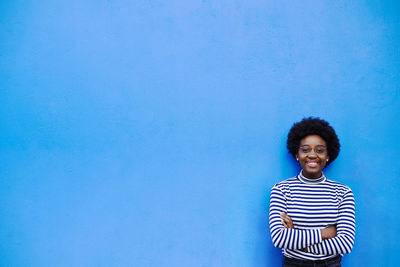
[313, 140]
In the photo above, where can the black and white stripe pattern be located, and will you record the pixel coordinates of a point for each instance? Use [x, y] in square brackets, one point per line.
[312, 204]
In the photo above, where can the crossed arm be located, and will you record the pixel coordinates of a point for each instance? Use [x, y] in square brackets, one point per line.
[326, 233]
[331, 240]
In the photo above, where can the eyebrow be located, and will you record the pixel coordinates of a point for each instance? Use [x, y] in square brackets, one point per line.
[316, 145]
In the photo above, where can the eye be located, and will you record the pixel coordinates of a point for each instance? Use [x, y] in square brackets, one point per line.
[320, 150]
[305, 150]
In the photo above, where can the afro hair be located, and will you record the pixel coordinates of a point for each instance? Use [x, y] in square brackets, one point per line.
[309, 126]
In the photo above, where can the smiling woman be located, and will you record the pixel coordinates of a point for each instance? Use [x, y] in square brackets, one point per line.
[312, 155]
[311, 217]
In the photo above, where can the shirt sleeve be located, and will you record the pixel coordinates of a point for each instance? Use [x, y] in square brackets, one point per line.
[343, 242]
[283, 237]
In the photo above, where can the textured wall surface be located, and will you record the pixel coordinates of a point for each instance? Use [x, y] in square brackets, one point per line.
[149, 133]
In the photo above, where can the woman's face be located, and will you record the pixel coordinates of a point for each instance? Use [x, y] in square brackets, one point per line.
[312, 155]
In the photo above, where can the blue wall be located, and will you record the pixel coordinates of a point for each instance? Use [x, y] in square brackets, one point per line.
[149, 133]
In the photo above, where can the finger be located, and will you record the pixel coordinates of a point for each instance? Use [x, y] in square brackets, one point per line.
[283, 215]
[287, 220]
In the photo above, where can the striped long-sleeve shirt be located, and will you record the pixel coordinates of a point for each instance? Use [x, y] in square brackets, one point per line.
[312, 204]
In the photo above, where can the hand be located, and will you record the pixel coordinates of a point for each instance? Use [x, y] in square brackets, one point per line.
[286, 221]
[328, 232]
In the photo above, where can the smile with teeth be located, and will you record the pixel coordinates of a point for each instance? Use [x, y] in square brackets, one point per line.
[312, 164]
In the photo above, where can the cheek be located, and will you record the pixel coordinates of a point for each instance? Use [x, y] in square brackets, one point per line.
[302, 161]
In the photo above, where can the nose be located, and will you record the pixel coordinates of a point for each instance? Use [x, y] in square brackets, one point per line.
[312, 154]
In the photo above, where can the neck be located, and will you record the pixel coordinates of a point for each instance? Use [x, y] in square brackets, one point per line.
[309, 180]
[311, 176]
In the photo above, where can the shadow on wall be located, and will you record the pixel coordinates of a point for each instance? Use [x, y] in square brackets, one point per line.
[275, 255]
[289, 169]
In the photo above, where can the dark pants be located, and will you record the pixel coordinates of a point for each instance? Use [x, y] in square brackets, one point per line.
[332, 262]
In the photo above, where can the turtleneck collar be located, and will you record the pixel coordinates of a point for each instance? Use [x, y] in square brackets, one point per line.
[306, 180]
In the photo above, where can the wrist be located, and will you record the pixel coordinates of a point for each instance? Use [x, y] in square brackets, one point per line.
[328, 232]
